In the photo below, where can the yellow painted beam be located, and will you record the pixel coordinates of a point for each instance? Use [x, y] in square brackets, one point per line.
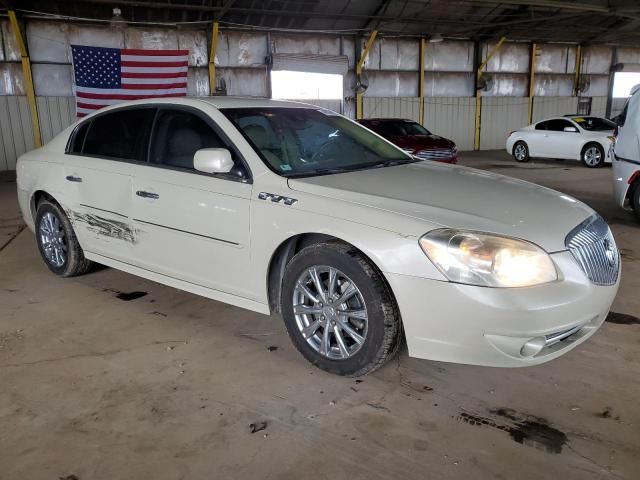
[578, 71]
[421, 84]
[532, 77]
[212, 58]
[359, 66]
[28, 78]
[476, 137]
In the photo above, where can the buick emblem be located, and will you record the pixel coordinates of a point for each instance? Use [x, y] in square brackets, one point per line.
[609, 252]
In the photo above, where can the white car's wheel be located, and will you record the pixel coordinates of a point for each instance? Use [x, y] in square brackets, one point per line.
[593, 155]
[338, 310]
[521, 151]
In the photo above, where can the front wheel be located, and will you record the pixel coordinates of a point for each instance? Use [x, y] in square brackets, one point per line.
[521, 151]
[338, 310]
[593, 155]
[57, 242]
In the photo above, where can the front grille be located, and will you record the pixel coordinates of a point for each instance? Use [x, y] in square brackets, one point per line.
[434, 154]
[594, 248]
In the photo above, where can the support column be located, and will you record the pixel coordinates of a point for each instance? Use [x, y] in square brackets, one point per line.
[28, 78]
[421, 80]
[578, 71]
[212, 58]
[359, 66]
[532, 78]
[476, 143]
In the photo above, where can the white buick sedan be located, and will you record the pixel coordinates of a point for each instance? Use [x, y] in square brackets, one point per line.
[286, 208]
[572, 137]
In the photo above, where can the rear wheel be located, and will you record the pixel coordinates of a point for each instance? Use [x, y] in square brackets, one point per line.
[57, 242]
[593, 155]
[338, 310]
[521, 151]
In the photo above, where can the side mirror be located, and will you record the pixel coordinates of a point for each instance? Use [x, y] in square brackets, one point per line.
[570, 129]
[213, 160]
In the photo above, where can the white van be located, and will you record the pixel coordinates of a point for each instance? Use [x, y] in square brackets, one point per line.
[626, 155]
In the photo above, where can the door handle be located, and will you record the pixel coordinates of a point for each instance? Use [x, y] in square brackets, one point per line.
[143, 194]
[71, 178]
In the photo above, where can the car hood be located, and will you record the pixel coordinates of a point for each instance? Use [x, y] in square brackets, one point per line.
[456, 197]
[420, 142]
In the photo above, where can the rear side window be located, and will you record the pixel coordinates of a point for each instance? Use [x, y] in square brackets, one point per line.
[178, 135]
[541, 126]
[558, 125]
[121, 134]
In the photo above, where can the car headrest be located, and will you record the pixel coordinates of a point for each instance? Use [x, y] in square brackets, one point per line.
[184, 141]
[257, 134]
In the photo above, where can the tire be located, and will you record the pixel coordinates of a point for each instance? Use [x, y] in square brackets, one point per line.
[635, 200]
[592, 155]
[376, 318]
[60, 251]
[521, 152]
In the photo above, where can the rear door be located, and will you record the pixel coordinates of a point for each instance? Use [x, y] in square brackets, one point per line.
[191, 225]
[99, 168]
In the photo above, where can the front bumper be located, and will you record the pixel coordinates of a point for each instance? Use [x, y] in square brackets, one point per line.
[499, 327]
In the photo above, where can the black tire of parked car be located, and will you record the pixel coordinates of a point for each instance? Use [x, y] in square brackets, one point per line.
[384, 330]
[586, 148]
[75, 262]
[521, 146]
[635, 199]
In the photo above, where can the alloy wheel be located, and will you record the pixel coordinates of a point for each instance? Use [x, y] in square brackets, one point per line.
[520, 152]
[330, 312]
[592, 156]
[53, 240]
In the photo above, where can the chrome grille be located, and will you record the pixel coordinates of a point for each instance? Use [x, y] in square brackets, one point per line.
[594, 248]
[434, 154]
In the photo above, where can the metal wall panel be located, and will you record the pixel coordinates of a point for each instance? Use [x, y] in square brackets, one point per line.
[499, 116]
[509, 58]
[399, 54]
[55, 114]
[545, 107]
[596, 59]
[48, 41]
[392, 84]
[196, 42]
[507, 84]
[555, 59]
[349, 49]
[241, 49]
[448, 84]
[251, 82]
[599, 106]
[452, 118]
[449, 56]
[391, 107]
[52, 80]
[16, 134]
[554, 85]
[100, 36]
[310, 44]
[628, 55]
[11, 52]
[198, 82]
[11, 82]
[597, 85]
[151, 38]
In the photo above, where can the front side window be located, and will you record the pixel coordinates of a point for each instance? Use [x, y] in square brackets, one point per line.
[177, 136]
[121, 134]
[541, 125]
[594, 124]
[307, 142]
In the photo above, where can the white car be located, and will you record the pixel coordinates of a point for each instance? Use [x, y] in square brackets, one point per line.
[626, 155]
[571, 137]
[280, 207]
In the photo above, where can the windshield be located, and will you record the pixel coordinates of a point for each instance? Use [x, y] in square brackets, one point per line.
[307, 142]
[399, 128]
[594, 124]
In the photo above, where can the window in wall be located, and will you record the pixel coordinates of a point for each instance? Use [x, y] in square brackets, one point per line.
[290, 85]
[623, 82]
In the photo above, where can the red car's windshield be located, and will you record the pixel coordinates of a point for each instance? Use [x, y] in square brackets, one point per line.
[396, 129]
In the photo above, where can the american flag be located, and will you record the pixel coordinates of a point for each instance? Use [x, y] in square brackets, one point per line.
[104, 76]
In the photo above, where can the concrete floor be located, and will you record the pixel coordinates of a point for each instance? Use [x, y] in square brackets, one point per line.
[165, 386]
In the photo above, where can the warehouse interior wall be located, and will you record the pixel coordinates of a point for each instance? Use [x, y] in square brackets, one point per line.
[391, 70]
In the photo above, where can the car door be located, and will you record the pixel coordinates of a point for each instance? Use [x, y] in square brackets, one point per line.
[192, 226]
[99, 168]
[562, 144]
[535, 138]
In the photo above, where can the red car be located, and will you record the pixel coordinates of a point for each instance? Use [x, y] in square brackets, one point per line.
[414, 139]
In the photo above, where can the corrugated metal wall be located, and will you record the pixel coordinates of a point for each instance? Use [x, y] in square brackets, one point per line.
[545, 107]
[391, 107]
[453, 118]
[500, 115]
[15, 130]
[55, 114]
[599, 106]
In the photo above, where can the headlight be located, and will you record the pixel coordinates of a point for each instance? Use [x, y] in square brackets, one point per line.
[487, 260]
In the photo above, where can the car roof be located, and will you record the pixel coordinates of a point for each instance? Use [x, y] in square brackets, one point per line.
[387, 120]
